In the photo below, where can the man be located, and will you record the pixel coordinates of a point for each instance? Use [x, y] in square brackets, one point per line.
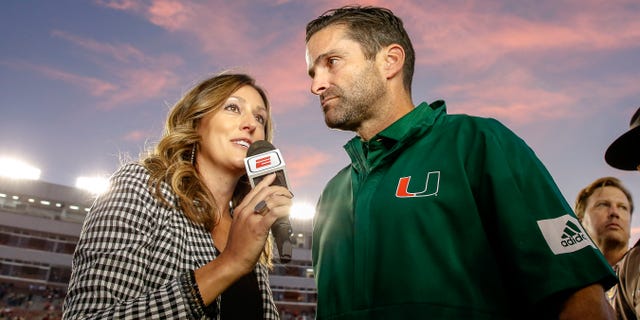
[438, 216]
[604, 208]
[624, 154]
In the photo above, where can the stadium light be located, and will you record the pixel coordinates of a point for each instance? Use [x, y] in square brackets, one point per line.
[302, 210]
[95, 185]
[18, 169]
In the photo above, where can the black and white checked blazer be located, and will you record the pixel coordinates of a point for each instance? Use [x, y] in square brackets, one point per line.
[135, 258]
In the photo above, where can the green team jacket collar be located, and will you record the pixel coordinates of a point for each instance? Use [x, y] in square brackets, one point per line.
[366, 155]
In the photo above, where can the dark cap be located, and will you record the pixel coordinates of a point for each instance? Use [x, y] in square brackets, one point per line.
[624, 152]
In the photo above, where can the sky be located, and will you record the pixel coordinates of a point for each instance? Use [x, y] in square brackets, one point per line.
[85, 85]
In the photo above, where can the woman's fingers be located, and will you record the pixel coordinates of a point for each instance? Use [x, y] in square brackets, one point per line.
[252, 220]
[261, 193]
[261, 208]
[265, 182]
[280, 202]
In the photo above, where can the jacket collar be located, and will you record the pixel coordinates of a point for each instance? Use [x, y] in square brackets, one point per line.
[402, 132]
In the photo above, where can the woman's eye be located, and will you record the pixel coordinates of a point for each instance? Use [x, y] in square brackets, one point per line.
[260, 119]
[232, 107]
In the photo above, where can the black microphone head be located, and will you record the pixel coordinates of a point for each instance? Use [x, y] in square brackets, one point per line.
[281, 229]
[260, 146]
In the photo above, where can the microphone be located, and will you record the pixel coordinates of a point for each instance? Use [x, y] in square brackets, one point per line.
[263, 159]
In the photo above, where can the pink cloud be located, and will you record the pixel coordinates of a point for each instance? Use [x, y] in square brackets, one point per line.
[139, 76]
[94, 86]
[304, 164]
[136, 136]
[514, 96]
[134, 85]
[139, 85]
[480, 36]
[122, 53]
[169, 14]
[225, 32]
[283, 75]
[119, 4]
[608, 87]
[220, 29]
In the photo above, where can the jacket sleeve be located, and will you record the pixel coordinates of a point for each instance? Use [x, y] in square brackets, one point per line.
[112, 261]
[526, 218]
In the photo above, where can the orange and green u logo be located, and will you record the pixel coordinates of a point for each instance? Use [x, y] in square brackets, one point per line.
[431, 186]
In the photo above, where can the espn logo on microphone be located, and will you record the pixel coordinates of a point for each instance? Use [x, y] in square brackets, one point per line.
[264, 162]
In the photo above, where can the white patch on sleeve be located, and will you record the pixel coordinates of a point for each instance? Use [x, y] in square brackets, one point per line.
[564, 234]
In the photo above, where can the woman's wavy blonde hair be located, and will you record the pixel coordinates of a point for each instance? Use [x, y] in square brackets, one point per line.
[171, 161]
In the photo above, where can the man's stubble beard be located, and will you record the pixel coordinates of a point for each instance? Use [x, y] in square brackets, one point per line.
[359, 103]
[615, 241]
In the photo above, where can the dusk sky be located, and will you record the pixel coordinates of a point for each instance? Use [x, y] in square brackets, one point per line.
[84, 84]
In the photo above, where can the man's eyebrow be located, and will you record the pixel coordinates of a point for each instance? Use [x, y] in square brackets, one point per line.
[318, 59]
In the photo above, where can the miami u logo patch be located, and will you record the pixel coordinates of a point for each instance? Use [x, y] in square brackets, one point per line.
[431, 186]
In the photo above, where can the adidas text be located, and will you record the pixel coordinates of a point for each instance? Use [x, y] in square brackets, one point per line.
[574, 240]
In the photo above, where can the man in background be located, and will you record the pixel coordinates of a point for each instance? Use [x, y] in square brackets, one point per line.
[624, 154]
[604, 208]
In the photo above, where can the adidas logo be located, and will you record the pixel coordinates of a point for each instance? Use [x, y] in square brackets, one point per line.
[571, 234]
[564, 234]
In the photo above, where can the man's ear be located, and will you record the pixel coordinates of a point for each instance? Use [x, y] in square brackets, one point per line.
[393, 60]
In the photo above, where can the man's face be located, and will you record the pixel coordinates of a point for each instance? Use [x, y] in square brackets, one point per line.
[347, 83]
[607, 218]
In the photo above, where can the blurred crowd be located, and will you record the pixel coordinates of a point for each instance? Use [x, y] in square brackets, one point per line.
[31, 302]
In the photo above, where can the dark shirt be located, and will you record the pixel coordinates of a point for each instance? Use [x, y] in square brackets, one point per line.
[242, 300]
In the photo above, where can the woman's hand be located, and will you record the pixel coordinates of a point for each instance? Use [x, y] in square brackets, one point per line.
[246, 240]
[252, 220]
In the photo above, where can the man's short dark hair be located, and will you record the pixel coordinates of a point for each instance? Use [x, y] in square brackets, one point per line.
[372, 27]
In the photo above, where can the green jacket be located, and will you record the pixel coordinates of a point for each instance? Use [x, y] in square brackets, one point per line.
[446, 217]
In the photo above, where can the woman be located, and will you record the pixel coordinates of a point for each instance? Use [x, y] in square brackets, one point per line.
[177, 236]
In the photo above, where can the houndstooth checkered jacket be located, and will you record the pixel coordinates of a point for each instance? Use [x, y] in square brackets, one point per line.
[135, 258]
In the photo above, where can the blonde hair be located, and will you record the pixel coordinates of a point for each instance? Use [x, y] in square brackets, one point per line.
[171, 161]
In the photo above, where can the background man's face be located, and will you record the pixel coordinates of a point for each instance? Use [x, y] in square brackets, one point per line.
[607, 218]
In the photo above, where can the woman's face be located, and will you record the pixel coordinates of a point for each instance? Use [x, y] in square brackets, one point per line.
[228, 131]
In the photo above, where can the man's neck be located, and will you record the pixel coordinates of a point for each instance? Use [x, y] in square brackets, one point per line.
[393, 109]
[613, 254]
